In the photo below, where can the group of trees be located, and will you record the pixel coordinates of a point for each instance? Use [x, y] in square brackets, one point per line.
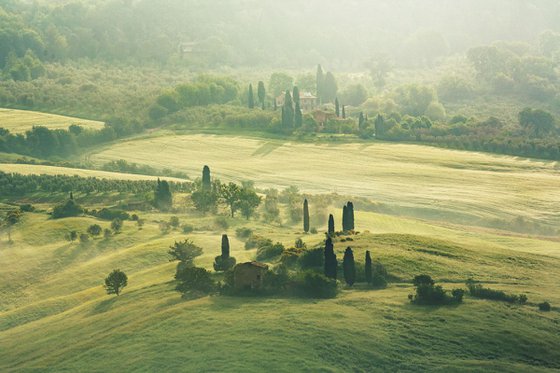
[208, 193]
[14, 185]
[327, 87]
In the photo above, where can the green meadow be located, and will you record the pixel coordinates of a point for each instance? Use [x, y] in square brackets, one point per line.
[55, 315]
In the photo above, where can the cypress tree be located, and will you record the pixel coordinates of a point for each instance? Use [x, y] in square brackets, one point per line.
[288, 112]
[320, 82]
[344, 218]
[337, 107]
[379, 123]
[225, 247]
[343, 111]
[162, 195]
[206, 182]
[349, 267]
[295, 95]
[275, 105]
[72, 195]
[369, 273]
[298, 116]
[329, 88]
[251, 97]
[331, 225]
[261, 93]
[350, 218]
[305, 216]
[331, 264]
[361, 121]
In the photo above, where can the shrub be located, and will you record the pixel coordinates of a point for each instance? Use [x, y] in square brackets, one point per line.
[94, 230]
[174, 222]
[116, 225]
[545, 306]
[84, 237]
[269, 252]
[428, 293]
[256, 242]
[378, 281]
[193, 279]
[111, 214]
[107, 233]
[299, 244]
[312, 259]
[221, 264]
[66, 210]
[243, 233]
[316, 285]
[313, 230]
[26, 208]
[221, 222]
[479, 291]
[290, 256]
[187, 228]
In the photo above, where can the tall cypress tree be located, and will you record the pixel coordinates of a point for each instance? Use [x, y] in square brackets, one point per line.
[288, 112]
[337, 107]
[350, 213]
[225, 247]
[330, 88]
[361, 121]
[251, 98]
[206, 181]
[343, 111]
[379, 123]
[298, 116]
[320, 82]
[349, 267]
[261, 93]
[305, 216]
[163, 198]
[368, 270]
[331, 264]
[295, 95]
[344, 218]
[331, 225]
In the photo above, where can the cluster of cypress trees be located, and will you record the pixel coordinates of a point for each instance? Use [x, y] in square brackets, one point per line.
[261, 96]
[292, 115]
[348, 264]
[326, 86]
[348, 217]
[163, 198]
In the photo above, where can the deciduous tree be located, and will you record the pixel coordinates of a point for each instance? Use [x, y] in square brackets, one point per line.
[115, 282]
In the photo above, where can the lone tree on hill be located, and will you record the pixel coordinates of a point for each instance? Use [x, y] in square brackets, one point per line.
[331, 225]
[261, 93]
[225, 261]
[163, 198]
[206, 181]
[331, 264]
[349, 267]
[251, 98]
[115, 282]
[368, 270]
[305, 216]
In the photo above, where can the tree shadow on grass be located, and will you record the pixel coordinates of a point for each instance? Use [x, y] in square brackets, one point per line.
[104, 306]
[267, 148]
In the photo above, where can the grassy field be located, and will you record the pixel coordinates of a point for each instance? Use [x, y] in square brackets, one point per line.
[19, 121]
[426, 182]
[28, 169]
[54, 315]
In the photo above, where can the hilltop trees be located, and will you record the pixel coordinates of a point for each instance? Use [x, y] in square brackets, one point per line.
[305, 216]
[349, 267]
[224, 261]
[115, 282]
[331, 264]
[163, 199]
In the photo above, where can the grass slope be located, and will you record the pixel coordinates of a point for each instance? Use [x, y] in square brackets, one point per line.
[54, 315]
[439, 184]
[19, 121]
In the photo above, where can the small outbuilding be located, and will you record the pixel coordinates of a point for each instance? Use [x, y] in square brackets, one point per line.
[249, 276]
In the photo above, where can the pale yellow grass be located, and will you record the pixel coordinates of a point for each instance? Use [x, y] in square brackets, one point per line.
[19, 121]
[439, 181]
